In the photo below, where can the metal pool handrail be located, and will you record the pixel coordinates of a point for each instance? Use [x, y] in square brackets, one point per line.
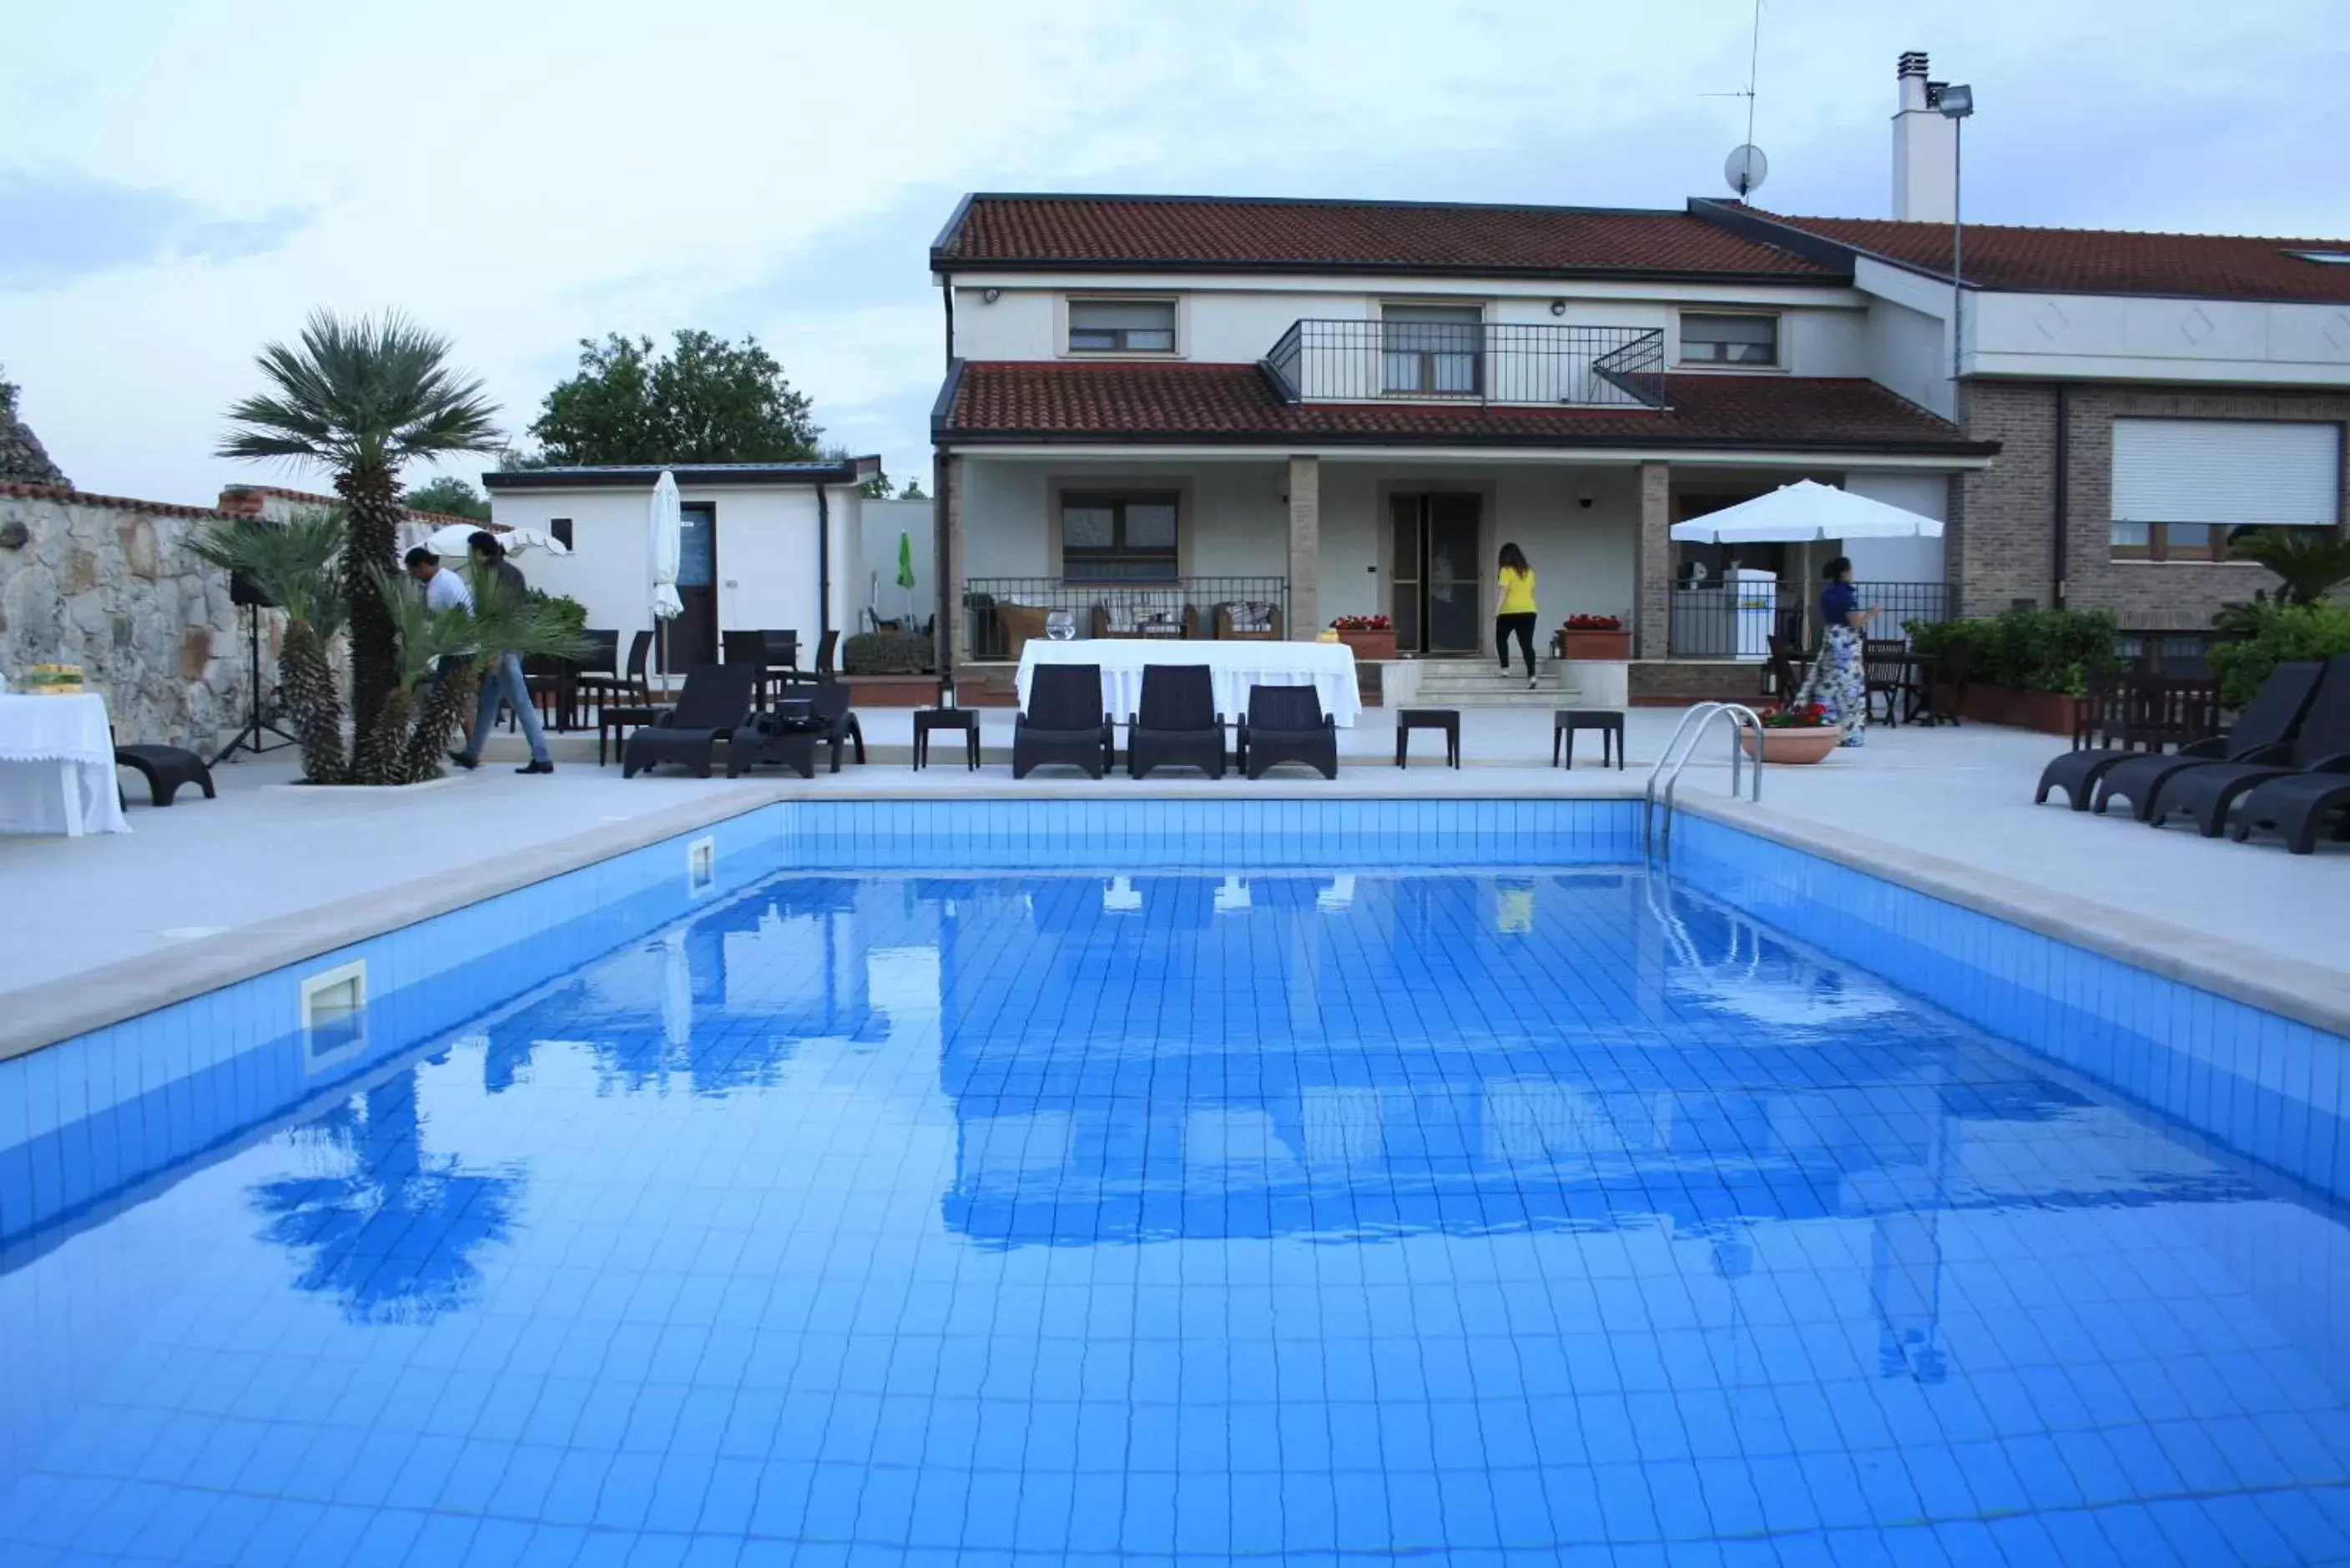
[1667, 770]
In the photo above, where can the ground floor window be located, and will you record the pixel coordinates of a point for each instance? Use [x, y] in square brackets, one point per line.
[1118, 537]
[2184, 490]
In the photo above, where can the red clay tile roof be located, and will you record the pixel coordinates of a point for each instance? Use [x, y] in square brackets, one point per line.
[2102, 261]
[1235, 404]
[1205, 233]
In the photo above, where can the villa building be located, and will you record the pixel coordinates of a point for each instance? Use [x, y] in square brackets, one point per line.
[1233, 414]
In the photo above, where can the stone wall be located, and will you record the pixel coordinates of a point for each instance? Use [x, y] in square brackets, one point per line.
[110, 583]
[2002, 537]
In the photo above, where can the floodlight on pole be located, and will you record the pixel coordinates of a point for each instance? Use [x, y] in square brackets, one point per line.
[1955, 102]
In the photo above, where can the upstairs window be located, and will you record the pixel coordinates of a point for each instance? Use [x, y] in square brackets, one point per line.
[1730, 339]
[1431, 349]
[1117, 538]
[1121, 326]
[2184, 490]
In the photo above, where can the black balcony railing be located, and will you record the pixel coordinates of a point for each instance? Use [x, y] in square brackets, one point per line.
[1729, 621]
[1003, 613]
[1475, 362]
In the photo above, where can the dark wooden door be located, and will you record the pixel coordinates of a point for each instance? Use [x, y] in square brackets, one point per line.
[693, 635]
[1436, 586]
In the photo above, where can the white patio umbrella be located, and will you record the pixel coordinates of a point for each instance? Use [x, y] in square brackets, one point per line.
[1804, 513]
[452, 539]
[663, 544]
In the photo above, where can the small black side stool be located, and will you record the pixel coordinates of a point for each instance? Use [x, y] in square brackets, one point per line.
[165, 769]
[1445, 719]
[963, 718]
[1610, 725]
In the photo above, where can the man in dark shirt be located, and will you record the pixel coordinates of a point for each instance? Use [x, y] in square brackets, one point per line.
[501, 681]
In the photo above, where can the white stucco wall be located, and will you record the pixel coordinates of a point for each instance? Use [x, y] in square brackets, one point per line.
[2126, 338]
[881, 523]
[1900, 560]
[766, 552]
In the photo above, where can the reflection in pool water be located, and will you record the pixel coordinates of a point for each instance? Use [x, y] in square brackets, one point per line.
[1193, 1217]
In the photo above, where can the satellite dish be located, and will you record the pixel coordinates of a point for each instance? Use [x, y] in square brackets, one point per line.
[1745, 169]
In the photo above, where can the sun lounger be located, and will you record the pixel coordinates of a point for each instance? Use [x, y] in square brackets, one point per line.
[165, 769]
[716, 702]
[778, 737]
[1064, 723]
[2206, 791]
[1286, 724]
[1178, 725]
[2107, 773]
[2297, 805]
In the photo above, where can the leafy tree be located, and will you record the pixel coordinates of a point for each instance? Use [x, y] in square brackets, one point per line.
[914, 492]
[876, 488]
[363, 397]
[706, 401]
[453, 496]
[7, 395]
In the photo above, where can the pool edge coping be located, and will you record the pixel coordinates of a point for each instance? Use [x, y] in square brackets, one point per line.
[2290, 988]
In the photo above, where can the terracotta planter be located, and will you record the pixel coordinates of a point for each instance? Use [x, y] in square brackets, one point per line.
[1370, 644]
[1615, 645]
[2048, 713]
[1806, 744]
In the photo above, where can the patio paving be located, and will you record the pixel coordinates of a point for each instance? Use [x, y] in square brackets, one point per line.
[210, 889]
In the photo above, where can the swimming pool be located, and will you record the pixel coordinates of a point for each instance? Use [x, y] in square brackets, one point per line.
[1081, 1198]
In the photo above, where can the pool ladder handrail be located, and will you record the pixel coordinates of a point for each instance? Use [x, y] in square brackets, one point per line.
[1667, 770]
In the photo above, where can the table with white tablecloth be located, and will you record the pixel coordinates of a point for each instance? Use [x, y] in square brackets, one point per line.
[1233, 666]
[57, 766]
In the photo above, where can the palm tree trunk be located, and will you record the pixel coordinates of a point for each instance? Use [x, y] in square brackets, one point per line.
[371, 513]
[378, 752]
[443, 707]
[308, 678]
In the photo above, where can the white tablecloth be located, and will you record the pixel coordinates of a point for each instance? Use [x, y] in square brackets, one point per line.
[57, 766]
[1234, 666]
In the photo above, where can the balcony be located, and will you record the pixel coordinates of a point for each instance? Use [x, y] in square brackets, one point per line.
[1470, 362]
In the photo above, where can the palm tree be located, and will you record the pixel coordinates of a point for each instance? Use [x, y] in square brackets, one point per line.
[406, 744]
[293, 563]
[2309, 562]
[362, 398]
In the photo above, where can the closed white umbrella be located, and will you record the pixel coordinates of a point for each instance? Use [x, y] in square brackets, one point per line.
[664, 543]
[1804, 513]
[455, 539]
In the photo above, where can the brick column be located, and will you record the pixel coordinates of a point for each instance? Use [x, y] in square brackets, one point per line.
[1305, 548]
[1653, 568]
[952, 615]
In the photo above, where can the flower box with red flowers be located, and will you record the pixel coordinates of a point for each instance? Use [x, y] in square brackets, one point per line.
[1370, 636]
[1595, 637]
[1800, 732]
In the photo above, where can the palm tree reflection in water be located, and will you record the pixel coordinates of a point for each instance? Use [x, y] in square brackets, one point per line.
[394, 1233]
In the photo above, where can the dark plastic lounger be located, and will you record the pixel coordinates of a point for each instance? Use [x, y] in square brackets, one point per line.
[2298, 804]
[770, 740]
[165, 769]
[716, 702]
[1064, 723]
[1286, 724]
[1178, 726]
[2264, 732]
[2207, 790]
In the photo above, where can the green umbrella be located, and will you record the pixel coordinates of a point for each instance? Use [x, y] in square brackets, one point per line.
[905, 561]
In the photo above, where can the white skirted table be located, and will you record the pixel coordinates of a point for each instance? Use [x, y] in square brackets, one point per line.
[57, 766]
[1233, 666]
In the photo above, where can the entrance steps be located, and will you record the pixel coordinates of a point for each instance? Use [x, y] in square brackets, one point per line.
[1474, 683]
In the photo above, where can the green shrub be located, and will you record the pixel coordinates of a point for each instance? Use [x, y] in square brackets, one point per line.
[2034, 650]
[569, 612]
[886, 653]
[2271, 635]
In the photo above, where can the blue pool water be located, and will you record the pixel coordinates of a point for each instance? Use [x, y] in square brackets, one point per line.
[1185, 1217]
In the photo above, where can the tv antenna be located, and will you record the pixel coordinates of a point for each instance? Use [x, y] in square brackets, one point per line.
[1746, 167]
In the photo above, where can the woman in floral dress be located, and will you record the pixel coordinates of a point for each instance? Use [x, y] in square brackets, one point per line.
[1839, 680]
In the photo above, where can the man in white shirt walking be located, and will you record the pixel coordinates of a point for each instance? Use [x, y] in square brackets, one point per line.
[443, 589]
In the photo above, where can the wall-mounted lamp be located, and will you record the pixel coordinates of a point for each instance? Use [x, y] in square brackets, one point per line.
[1558, 307]
[990, 296]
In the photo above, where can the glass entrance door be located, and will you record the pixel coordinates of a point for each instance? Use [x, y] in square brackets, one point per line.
[1434, 584]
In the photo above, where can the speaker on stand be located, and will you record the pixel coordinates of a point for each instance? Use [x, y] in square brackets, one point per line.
[249, 597]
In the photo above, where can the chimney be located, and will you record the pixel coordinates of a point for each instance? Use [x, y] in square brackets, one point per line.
[1925, 147]
[240, 500]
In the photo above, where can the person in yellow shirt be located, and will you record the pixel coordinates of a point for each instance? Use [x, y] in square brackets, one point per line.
[1516, 612]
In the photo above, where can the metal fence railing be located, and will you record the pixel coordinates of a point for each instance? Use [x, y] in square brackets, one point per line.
[1477, 362]
[1735, 620]
[1003, 613]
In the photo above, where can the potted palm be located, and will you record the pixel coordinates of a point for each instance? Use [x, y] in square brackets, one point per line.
[1370, 636]
[1798, 734]
[1597, 637]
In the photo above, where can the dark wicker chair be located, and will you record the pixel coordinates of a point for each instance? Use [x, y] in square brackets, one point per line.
[2296, 806]
[1286, 724]
[1885, 667]
[2094, 780]
[1178, 726]
[774, 739]
[2206, 791]
[716, 702]
[1064, 723]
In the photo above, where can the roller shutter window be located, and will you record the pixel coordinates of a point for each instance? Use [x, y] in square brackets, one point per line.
[2182, 488]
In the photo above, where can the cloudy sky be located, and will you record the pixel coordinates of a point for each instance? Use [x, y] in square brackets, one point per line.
[180, 184]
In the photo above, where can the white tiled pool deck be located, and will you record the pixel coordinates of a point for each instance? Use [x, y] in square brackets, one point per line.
[210, 890]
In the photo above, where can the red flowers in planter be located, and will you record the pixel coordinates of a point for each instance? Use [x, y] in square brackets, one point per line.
[1810, 716]
[1360, 623]
[1594, 623]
